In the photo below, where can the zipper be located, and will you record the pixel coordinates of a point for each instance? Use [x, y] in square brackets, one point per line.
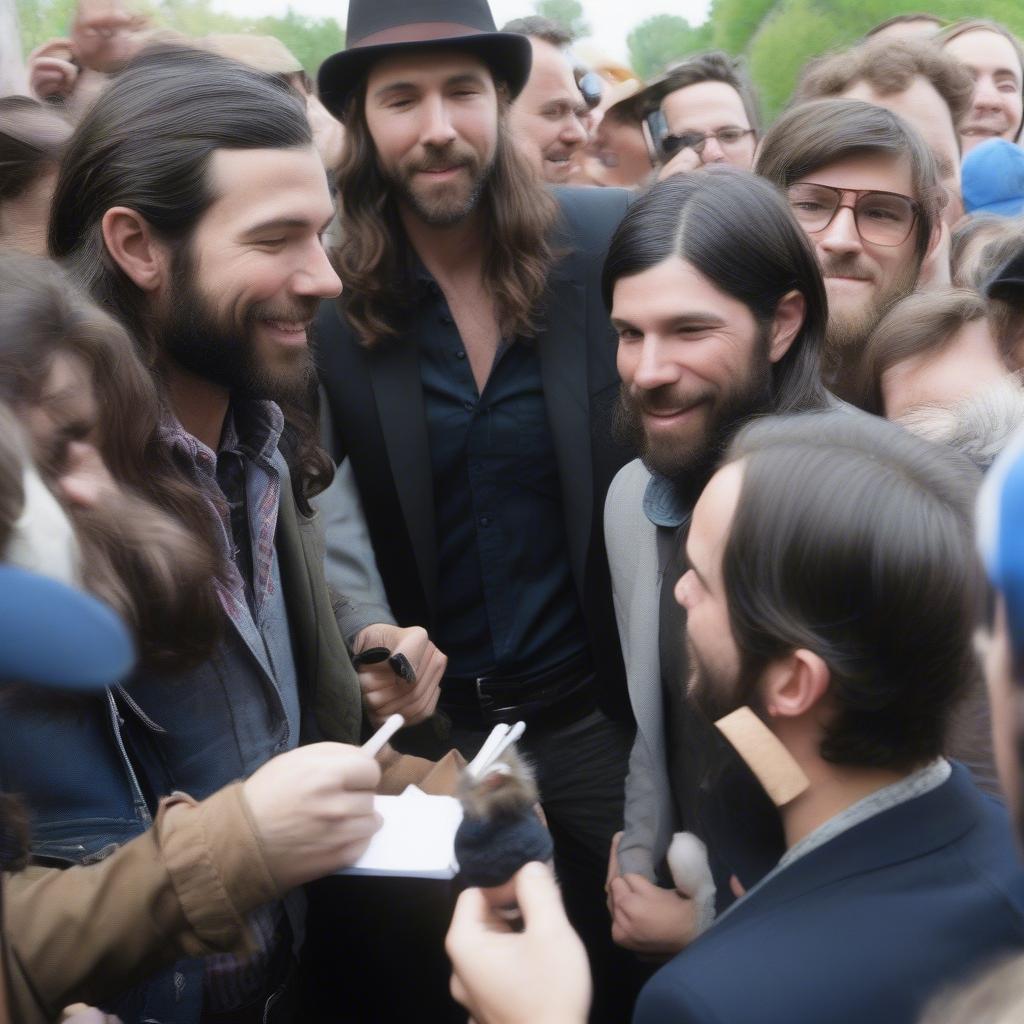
[147, 818]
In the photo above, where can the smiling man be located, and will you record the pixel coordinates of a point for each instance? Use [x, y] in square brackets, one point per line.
[713, 330]
[993, 56]
[865, 188]
[199, 225]
[549, 117]
[469, 369]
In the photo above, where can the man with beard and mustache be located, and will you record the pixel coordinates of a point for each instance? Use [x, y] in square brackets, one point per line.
[199, 225]
[865, 188]
[720, 311]
[844, 646]
[469, 370]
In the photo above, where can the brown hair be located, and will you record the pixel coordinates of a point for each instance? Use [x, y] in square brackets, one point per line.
[816, 134]
[713, 66]
[374, 259]
[857, 581]
[890, 66]
[538, 27]
[12, 468]
[31, 136]
[153, 557]
[902, 19]
[922, 322]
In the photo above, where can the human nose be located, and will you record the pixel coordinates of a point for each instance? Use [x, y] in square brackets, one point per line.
[986, 95]
[437, 127]
[841, 235]
[654, 369]
[684, 590]
[573, 132]
[317, 278]
[711, 152]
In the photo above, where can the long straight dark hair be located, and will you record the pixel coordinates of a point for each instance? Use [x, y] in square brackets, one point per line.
[146, 144]
[738, 232]
[373, 258]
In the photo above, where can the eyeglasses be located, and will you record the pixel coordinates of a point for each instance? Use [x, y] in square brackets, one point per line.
[727, 138]
[882, 218]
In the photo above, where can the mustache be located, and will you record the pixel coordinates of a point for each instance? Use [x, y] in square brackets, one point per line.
[444, 159]
[300, 310]
[845, 266]
[664, 400]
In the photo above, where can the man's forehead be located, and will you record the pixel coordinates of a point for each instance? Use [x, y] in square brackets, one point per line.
[712, 518]
[260, 184]
[423, 67]
[881, 172]
[983, 49]
[704, 105]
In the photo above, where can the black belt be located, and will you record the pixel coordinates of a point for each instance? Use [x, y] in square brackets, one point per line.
[550, 698]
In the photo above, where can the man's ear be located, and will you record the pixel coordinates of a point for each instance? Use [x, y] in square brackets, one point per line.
[134, 248]
[794, 685]
[786, 324]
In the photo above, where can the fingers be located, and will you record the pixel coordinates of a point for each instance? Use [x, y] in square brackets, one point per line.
[539, 898]
[468, 919]
[613, 860]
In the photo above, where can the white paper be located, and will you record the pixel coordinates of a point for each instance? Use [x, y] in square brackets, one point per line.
[417, 838]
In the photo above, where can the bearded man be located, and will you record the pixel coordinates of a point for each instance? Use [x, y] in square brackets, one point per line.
[865, 188]
[720, 312]
[469, 369]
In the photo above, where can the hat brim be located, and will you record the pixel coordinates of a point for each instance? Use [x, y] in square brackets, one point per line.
[1000, 207]
[57, 637]
[507, 54]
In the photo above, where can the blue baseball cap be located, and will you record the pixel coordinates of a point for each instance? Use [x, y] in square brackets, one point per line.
[1001, 535]
[54, 636]
[992, 178]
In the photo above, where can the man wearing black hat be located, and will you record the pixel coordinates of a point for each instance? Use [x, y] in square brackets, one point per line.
[1006, 290]
[469, 369]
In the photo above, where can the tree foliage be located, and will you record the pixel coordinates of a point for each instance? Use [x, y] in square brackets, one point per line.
[663, 40]
[310, 39]
[567, 13]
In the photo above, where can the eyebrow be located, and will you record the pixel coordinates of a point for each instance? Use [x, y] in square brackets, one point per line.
[696, 319]
[286, 224]
[467, 78]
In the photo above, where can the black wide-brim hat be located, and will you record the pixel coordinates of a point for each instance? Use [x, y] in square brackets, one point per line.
[377, 28]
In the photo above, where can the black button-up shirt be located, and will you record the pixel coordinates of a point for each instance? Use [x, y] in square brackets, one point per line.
[506, 599]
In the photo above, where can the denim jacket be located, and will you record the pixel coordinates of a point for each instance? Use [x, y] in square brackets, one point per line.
[91, 771]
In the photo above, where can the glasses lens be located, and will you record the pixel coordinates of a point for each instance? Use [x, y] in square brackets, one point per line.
[730, 136]
[884, 219]
[812, 205]
[670, 145]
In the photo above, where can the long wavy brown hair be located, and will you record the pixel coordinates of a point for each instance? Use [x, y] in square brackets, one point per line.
[373, 258]
[153, 557]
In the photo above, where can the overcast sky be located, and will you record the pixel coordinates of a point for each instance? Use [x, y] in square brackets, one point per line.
[606, 17]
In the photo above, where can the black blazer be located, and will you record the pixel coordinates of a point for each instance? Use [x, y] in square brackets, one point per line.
[376, 405]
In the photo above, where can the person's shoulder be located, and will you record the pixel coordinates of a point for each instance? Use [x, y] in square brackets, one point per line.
[630, 481]
[589, 215]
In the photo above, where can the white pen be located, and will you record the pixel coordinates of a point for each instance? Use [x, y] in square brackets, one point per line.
[375, 743]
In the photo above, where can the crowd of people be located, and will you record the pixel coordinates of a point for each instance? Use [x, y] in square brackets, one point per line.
[479, 382]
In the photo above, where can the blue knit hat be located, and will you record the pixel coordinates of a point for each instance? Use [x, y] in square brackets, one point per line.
[491, 850]
[1001, 536]
[992, 178]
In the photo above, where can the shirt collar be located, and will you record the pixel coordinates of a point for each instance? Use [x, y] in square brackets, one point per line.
[662, 504]
[253, 427]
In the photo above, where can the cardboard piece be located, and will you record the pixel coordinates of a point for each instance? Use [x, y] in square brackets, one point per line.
[783, 779]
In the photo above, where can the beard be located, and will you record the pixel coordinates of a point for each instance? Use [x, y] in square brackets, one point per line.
[448, 203]
[848, 330]
[713, 693]
[690, 456]
[216, 348]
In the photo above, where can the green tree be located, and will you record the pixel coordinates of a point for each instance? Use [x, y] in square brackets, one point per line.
[734, 22]
[312, 40]
[663, 40]
[567, 13]
[43, 19]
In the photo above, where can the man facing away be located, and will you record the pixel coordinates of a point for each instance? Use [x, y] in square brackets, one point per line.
[470, 378]
[841, 638]
[720, 312]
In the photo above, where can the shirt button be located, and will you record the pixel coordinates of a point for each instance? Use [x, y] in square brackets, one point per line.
[469, 406]
[485, 520]
[460, 353]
